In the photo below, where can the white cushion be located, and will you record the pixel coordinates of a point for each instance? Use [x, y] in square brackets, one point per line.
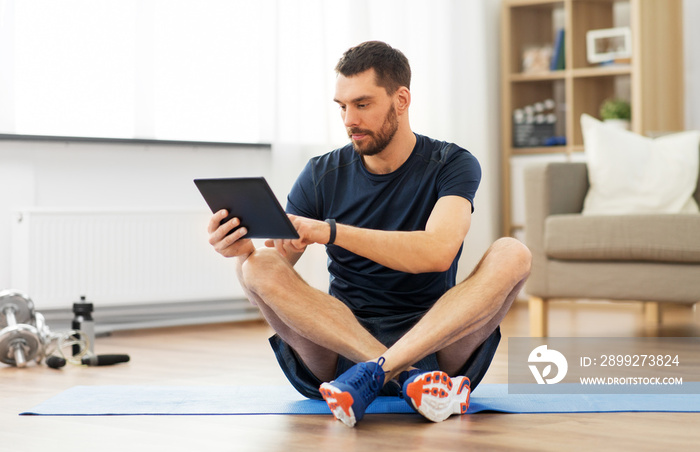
[632, 174]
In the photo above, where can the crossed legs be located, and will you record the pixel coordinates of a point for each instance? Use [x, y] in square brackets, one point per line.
[319, 327]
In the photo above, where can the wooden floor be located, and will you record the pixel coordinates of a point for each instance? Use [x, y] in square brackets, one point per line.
[238, 354]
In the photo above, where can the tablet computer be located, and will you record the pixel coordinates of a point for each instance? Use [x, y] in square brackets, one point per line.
[251, 200]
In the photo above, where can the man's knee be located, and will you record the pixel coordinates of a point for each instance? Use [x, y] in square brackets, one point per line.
[512, 254]
[516, 249]
[263, 268]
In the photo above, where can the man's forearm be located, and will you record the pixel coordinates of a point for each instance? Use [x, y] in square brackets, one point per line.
[411, 252]
[430, 250]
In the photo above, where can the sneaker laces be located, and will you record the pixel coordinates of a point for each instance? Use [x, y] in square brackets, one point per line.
[376, 373]
[366, 380]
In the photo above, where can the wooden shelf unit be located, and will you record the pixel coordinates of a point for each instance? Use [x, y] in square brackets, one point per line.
[652, 81]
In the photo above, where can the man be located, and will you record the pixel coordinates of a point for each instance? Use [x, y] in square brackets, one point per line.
[393, 209]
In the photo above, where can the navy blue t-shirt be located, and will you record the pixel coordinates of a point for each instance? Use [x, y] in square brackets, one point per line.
[337, 185]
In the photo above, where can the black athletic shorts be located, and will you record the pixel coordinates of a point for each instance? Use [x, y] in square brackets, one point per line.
[388, 329]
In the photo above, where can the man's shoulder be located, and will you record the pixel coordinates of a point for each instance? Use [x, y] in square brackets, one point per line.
[441, 151]
[339, 158]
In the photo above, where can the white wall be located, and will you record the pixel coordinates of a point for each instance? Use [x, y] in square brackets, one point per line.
[104, 176]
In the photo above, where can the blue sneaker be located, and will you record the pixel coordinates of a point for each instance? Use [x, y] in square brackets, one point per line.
[406, 374]
[435, 395]
[349, 395]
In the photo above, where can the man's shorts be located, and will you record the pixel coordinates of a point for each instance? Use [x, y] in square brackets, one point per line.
[387, 329]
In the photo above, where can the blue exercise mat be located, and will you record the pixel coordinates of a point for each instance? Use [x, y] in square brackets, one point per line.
[231, 400]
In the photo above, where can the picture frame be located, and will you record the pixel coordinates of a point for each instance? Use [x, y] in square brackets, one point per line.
[536, 59]
[608, 44]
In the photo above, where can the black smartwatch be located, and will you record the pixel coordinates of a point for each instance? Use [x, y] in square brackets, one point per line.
[331, 222]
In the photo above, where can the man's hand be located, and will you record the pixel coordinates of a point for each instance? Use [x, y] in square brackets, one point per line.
[232, 245]
[310, 232]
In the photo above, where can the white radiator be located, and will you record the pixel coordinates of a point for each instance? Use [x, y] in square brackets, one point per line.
[117, 258]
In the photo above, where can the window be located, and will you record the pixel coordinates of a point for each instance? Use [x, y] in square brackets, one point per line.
[155, 69]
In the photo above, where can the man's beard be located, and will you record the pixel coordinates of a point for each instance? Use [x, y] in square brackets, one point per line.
[379, 140]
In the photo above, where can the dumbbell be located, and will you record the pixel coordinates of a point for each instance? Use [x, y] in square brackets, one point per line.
[20, 341]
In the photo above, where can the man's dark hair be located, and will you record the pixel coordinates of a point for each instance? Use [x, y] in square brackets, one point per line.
[390, 65]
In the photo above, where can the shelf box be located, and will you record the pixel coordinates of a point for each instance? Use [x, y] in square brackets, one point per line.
[527, 31]
[589, 94]
[588, 15]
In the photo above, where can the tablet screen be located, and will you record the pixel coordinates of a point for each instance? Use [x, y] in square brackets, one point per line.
[252, 201]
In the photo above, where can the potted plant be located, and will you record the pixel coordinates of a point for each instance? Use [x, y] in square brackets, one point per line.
[617, 112]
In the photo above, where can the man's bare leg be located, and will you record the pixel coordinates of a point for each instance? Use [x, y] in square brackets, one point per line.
[454, 327]
[316, 325]
[467, 314]
[453, 357]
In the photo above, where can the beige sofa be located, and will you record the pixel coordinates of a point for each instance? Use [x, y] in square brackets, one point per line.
[652, 258]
